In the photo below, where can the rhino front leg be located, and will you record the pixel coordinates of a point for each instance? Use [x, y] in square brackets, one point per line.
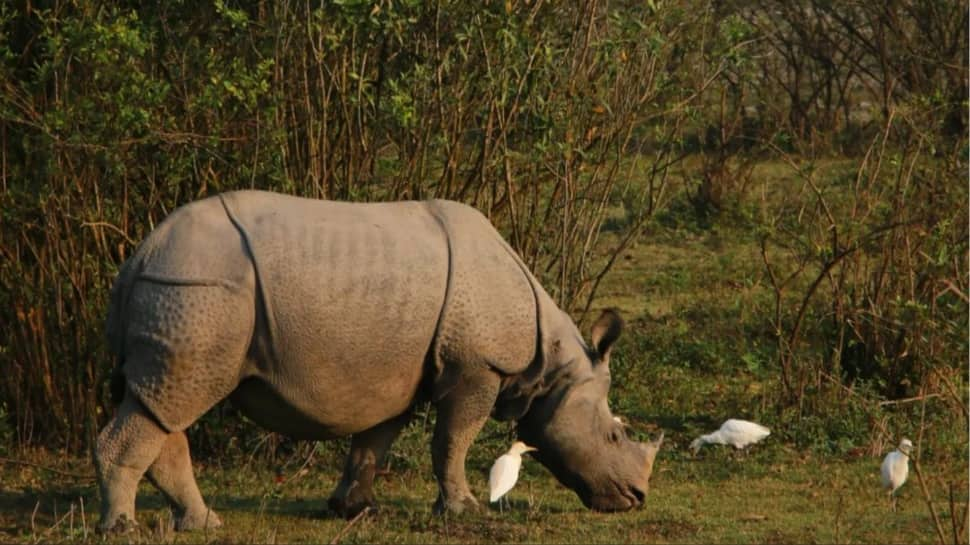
[171, 473]
[461, 414]
[368, 450]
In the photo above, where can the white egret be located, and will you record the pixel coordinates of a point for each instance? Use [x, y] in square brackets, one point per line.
[505, 471]
[734, 432]
[895, 469]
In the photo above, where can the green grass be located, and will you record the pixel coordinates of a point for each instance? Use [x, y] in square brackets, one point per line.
[774, 494]
[697, 351]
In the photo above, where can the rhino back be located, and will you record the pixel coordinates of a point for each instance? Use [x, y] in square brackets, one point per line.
[352, 295]
[196, 244]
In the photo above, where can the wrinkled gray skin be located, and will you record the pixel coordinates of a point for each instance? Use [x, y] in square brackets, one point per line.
[322, 319]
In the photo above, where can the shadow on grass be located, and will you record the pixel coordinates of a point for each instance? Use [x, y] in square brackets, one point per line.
[679, 430]
[37, 510]
[682, 423]
[32, 508]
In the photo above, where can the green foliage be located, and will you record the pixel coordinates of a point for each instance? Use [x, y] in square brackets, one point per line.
[578, 129]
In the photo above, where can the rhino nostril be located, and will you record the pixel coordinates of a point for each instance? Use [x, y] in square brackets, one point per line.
[638, 494]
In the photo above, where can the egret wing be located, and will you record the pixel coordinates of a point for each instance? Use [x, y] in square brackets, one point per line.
[895, 469]
[887, 470]
[745, 427]
[502, 477]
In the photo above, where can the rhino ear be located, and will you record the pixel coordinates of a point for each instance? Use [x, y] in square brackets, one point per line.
[605, 332]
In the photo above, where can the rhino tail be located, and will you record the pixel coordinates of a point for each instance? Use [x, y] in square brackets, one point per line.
[117, 385]
[114, 326]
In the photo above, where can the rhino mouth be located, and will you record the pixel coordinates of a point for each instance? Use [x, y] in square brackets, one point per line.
[608, 495]
[623, 498]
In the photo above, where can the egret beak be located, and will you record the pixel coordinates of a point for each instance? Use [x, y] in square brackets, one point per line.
[695, 447]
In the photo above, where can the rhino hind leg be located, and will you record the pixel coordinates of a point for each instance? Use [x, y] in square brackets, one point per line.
[172, 474]
[185, 348]
[368, 450]
[183, 352]
[125, 448]
[133, 445]
[461, 413]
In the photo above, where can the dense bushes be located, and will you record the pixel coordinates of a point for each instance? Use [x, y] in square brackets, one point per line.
[550, 118]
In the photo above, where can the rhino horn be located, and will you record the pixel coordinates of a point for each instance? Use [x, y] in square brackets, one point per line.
[651, 449]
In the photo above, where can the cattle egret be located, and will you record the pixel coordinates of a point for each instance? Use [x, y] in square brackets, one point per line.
[734, 432]
[895, 469]
[505, 471]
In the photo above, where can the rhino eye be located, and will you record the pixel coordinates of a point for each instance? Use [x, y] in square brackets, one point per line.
[615, 435]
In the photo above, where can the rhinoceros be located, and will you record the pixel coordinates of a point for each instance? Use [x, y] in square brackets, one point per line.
[322, 319]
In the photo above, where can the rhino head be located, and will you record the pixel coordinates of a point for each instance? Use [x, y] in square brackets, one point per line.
[570, 423]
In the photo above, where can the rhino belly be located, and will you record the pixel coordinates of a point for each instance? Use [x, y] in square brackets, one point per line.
[264, 405]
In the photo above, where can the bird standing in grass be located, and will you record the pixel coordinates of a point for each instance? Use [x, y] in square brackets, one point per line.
[734, 432]
[505, 471]
[895, 469]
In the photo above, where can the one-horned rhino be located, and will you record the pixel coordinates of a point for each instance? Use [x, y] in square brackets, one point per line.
[322, 319]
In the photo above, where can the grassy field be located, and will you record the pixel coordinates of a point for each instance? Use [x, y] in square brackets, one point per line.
[696, 353]
[775, 495]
